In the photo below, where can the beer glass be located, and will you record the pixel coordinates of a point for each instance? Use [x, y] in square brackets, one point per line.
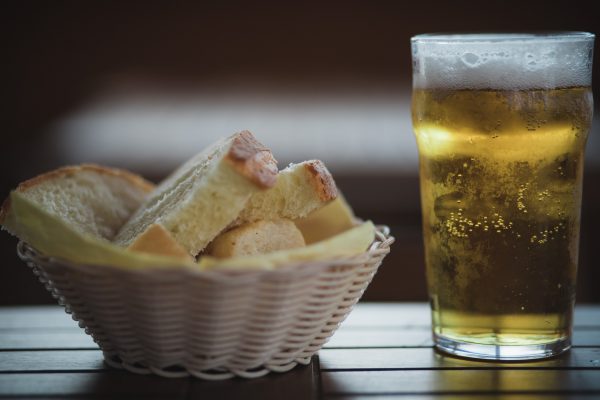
[501, 122]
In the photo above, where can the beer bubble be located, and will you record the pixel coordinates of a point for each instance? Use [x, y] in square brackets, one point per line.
[471, 59]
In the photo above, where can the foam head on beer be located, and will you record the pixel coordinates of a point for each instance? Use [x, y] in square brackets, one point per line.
[490, 61]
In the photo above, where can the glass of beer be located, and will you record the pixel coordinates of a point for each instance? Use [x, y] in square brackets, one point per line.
[501, 122]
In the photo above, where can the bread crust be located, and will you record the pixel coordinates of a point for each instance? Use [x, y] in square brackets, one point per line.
[322, 181]
[259, 237]
[253, 160]
[132, 178]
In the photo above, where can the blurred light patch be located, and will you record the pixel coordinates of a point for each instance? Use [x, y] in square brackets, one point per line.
[152, 132]
[155, 132]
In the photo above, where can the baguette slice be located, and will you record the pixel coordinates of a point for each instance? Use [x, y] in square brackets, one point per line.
[300, 189]
[205, 194]
[346, 244]
[258, 237]
[92, 199]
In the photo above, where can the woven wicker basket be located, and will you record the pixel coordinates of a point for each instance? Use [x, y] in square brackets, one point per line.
[210, 324]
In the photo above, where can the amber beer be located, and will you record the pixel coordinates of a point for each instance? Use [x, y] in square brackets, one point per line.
[501, 176]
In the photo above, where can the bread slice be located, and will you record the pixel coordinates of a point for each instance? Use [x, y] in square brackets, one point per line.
[300, 189]
[259, 237]
[55, 237]
[205, 194]
[327, 221]
[92, 199]
[157, 240]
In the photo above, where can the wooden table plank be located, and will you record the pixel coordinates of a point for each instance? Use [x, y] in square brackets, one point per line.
[461, 382]
[75, 338]
[368, 315]
[421, 337]
[378, 337]
[298, 384]
[54, 360]
[587, 315]
[45, 338]
[106, 384]
[427, 358]
[586, 337]
[388, 315]
[410, 315]
[302, 383]
[35, 317]
[331, 359]
[478, 396]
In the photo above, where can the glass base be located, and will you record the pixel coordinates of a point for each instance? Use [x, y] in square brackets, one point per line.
[501, 352]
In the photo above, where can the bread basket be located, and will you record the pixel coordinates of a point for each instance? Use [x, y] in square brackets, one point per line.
[210, 324]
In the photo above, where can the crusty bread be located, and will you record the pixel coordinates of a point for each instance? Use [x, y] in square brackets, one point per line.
[300, 189]
[53, 236]
[92, 199]
[204, 195]
[254, 238]
[157, 240]
[346, 244]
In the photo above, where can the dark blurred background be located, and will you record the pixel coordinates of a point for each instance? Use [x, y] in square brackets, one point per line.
[143, 85]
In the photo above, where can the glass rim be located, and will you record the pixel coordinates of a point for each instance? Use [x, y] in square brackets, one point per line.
[499, 37]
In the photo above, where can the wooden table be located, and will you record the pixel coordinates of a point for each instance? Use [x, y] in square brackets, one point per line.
[382, 351]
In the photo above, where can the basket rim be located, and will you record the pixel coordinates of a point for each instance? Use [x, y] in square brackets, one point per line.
[380, 246]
